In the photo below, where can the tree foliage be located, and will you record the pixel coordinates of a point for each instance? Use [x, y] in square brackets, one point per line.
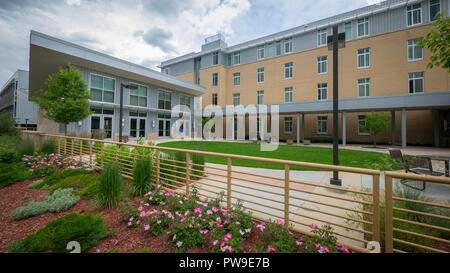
[66, 99]
[437, 41]
[376, 124]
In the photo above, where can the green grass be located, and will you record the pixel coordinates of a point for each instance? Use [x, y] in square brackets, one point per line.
[350, 158]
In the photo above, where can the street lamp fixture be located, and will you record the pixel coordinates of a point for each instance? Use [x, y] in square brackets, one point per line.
[122, 86]
[335, 42]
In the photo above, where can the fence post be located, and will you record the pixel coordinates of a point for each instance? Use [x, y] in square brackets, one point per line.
[135, 155]
[229, 183]
[376, 208]
[102, 155]
[117, 153]
[81, 150]
[59, 145]
[71, 152]
[389, 243]
[286, 195]
[65, 146]
[188, 172]
[158, 152]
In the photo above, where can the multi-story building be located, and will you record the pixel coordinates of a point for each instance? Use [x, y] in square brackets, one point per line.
[381, 68]
[147, 110]
[14, 100]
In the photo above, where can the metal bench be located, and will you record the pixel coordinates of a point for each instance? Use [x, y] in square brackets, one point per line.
[321, 138]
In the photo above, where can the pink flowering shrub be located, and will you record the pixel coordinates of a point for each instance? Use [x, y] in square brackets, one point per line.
[278, 238]
[325, 241]
[45, 164]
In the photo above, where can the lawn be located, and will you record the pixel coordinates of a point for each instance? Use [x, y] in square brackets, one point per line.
[350, 158]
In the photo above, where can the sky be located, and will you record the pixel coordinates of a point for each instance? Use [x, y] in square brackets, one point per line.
[148, 32]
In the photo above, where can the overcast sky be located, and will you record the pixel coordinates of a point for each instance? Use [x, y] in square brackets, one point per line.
[147, 32]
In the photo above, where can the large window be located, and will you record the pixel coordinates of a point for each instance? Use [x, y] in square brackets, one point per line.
[321, 37]
[269, 50]
[363, 27]
[414, 14]
[237, 79]
[322, 64]
[288, 45]
[260, 53]
[362, 122]
[215, 79]
[288, 70]
[236, 58]
[215, 58]
[322, 124]
[278, 48]
[102, 88]
[288, 125]
[164, 100]
[260, 97]
[260, 75]
[416, 82]
[415, 52]
[229, 59]
[236, 99]
[185, 101]
[435, 8]
[214, 99]
[363, 58]
[322, 91]
[288, 94]
[138, 97]
[348, 31]
[364, 87]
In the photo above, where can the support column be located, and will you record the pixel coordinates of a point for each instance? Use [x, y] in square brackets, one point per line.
[393, 127]
[303, 128]
[298, 128]
[436, 127]
[403, 128]
[344, 129]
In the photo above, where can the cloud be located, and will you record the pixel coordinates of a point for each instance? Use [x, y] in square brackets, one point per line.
[157, 37]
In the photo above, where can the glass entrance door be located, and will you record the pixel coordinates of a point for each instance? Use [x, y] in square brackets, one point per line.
[163, 126]
[107, 126]
[137, 127]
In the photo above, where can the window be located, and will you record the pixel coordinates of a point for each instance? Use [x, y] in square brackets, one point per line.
[322, 124]
[260, 75]
[416, 82]
[185, 101]
[288, 70]
[415, 52]
[260, 53]
[269, 50]
[348, 31]
[237, 58]
[322, 64]
[237, 79]
[215, 79]
[215, 58]
[364, 87]
[288, 45]
[435, 8]
[363, 27]
[164, 100]
[414, 14]
[363, 58]
[278, 48]
[362, 122]
[288, 94]
[322, 91]
[288, 125]
[229, 59]
[214, 99]
[102, 88]
[260, 97]
[236, 99]
[321, 37]
[138, 97]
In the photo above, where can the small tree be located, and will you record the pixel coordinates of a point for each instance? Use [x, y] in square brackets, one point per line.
[376, 124]
[66, 99]
[437, 41]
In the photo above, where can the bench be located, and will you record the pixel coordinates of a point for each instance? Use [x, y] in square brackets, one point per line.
[321, 138]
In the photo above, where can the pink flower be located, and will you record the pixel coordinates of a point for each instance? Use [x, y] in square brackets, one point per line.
[317, 245]
[182, 220]
[214, 209]
[298, 243]
[204, 231]
[179, 244]
[146, 227]
[313, 226]
[248, 230]
[215, 242]
[280, 222]
[272, 249]
[228, 237]
[326, 249]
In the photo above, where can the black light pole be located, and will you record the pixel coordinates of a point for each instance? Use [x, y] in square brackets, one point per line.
[128, 86]
[338, 41]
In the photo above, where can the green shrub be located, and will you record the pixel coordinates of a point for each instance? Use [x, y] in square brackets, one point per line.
[25, 147]
[14, 172]
[60, 200]
[91, 190]
[48, 146]
[7, 125]
[55, 177]
[87, 230]
[77, 182]
[36, 184]
[142, 176]
[199, 160]
[7, 153]
[110, 186]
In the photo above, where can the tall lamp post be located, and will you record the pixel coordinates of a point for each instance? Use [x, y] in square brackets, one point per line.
[122, 86]
[335, 42]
